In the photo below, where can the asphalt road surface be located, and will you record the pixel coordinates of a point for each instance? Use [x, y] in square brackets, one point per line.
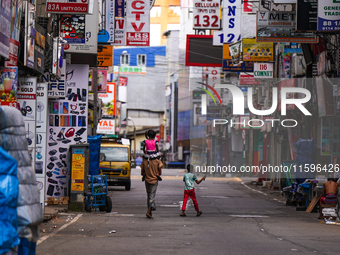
[236, 219]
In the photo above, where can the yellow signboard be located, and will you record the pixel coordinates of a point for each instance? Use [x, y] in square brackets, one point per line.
[257, 51]
[226, 53]
[78, 171]
[105, 55]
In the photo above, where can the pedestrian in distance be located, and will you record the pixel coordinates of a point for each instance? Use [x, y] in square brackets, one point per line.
[151, 169]
[189, 190]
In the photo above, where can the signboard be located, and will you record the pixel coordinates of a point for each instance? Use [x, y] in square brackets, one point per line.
[328, 15]
[78, 172]
[280, 27]
[119, 8]
[228, 66]
[247, 79]
[108, 99]
[232, 15]
[206, 14]
[67, 6]
[106, 127]
[257, 51]
[8, 86]
[91, 35]
[137, 70]
[5, 31]
[68, 119]
[107, 34]
[307, 15]
[72, 28]
[247, 6]
[30, 35]
[120, 33]
[218, 38]
[263, 70]
[138, 23]
[56, 87]
[104, 55]
[277, 5]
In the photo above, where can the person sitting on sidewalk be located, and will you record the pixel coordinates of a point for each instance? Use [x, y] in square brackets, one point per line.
[329, 192]
[189, 190]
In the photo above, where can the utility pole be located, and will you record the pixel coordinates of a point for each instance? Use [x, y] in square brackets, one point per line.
[95, 99]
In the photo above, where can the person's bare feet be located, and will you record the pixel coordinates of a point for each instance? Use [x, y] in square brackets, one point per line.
[149, 213]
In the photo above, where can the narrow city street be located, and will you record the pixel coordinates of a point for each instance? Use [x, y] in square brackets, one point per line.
[236, 219]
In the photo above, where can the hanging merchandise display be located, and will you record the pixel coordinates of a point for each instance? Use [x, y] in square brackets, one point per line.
[67, 124]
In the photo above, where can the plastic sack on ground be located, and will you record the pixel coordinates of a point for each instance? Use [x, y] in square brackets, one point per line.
[9, 189]
[94, 158]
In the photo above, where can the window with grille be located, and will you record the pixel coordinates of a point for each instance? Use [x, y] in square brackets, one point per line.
[125, 60]
[141, 59]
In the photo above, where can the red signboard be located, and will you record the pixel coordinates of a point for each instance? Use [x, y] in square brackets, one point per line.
[65, 7]
[246, 79]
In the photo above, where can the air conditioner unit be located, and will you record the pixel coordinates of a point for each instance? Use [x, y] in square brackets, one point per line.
[298, 65]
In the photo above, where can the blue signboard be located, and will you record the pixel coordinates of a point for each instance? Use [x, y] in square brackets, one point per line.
[247, 66]
[290, 50]
[328, 15]
[119, 8]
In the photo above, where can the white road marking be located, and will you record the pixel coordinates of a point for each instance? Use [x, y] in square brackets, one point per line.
[258, 191]
[61, 228]
[215, 196]
[249, 216]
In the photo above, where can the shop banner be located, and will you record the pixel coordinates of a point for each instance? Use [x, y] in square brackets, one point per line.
[280, 27]
[5, 31]
[228, 65]
[231, 18]
[247, 6]
[67, 124]
[68, 6]
[263, 70]
[8, 86]
[120, 32]
[206, 14]
[307, 15]
[56, 87]
[106, 127]
[104, 55]
[72, 28]
[248, 79]
[277, 5]
[29, 35]
[138, 23]
[218, 38]
[26, 103]
[41, 129]
[328, 15]
[107, 34]
[108, 100]
[91, 35]
[257, 51]
[119, 8]
[136, 70]
[15, 32]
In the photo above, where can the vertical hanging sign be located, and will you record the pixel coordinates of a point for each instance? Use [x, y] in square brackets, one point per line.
[232, 12]
[110, 20]
[138, 23]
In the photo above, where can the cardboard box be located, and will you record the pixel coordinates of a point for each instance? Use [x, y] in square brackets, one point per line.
[49, 202]
[55, 201]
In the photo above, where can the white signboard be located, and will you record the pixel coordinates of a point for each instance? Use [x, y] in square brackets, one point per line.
[278, 5]
[138, 23]
[67, 6]
[91, 34]
[218, 38]
[263, 70]
[120, 33]
[328, 15]
[106, 126]
[206, 14]
[56, 87]
[232, 14]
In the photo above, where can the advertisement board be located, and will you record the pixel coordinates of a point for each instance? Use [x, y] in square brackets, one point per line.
[8, 86]
[106, 127]
[231, 19]
[30, 35]
[67, 124]
[257, 51]
[104, 55]
[228, 66]
[120, 32]
[72, 28]
[280, 27]
[67, 6]
[206, 14]
[91, 35]
[138, 23]
[107, 34]
[307, 13]
[263, 70]
[328, 15]
[5, 31]
[56, 86]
